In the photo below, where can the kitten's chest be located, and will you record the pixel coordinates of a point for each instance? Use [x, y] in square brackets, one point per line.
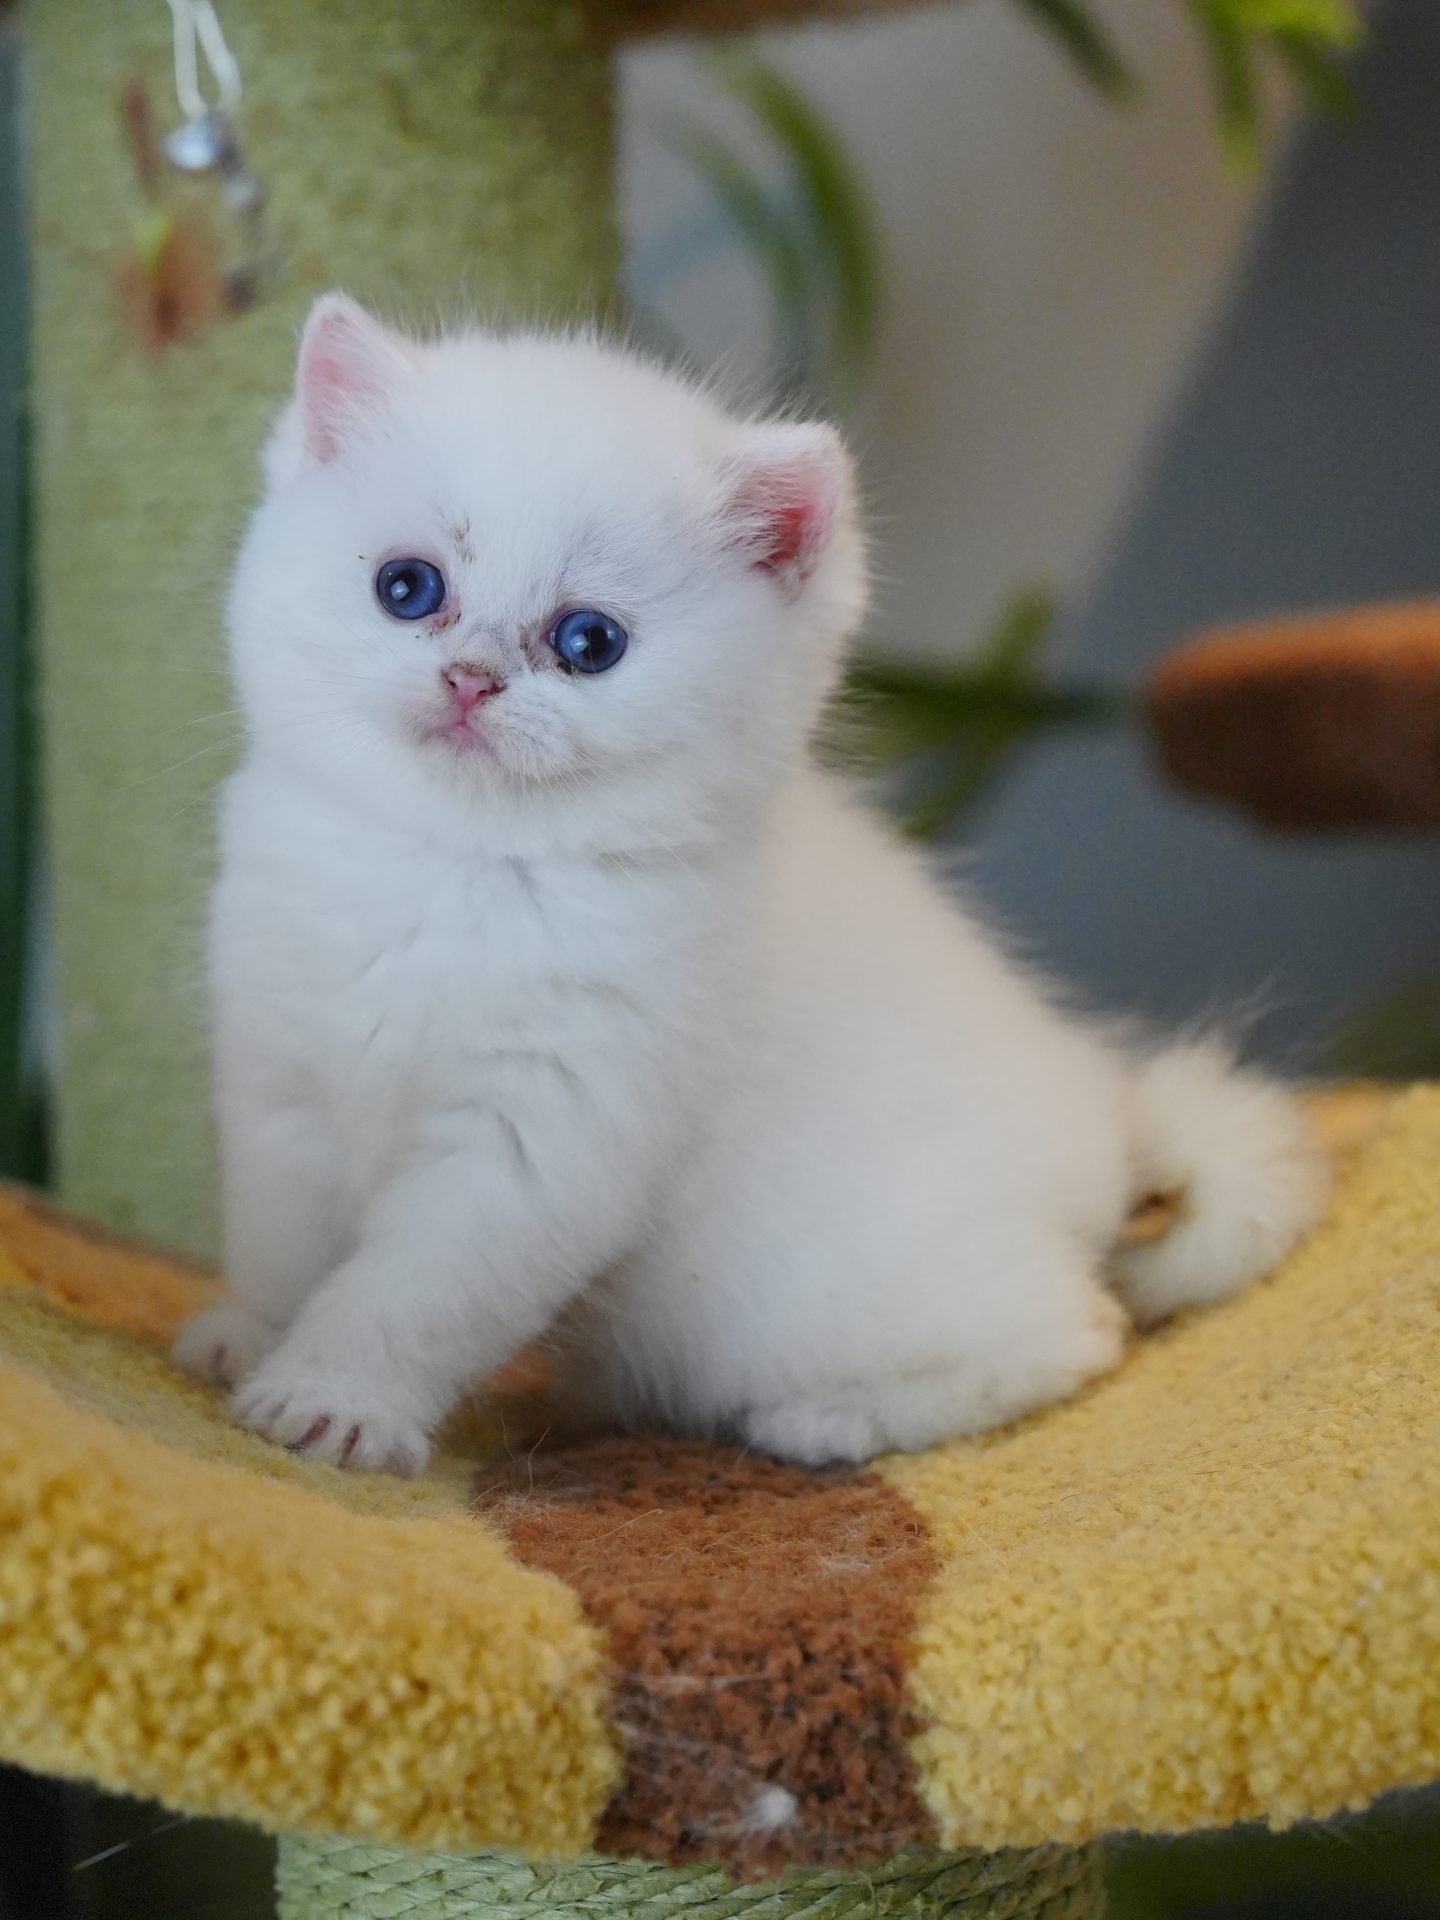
[399, 980]
[423, 971]
[424, 965]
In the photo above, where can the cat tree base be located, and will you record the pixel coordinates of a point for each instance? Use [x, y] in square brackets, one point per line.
[329, 1878]
[1107, 1619]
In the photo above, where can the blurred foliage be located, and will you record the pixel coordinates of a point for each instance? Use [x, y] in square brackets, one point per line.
[1306, 37]
[942, 733]
[799, 207]
[814, 236]
[811, 229]
[945, 731]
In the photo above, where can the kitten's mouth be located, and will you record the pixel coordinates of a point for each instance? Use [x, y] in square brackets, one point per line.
[464, 734]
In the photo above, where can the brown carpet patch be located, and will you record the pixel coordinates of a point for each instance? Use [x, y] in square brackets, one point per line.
[106, 1277]
[758, 1616]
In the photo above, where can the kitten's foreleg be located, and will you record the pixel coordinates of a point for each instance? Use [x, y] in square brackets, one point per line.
[278, 1180]
[464, 1257]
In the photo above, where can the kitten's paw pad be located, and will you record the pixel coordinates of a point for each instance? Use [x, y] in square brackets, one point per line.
[334, 1421]
[223, 1344]
[812, 1435]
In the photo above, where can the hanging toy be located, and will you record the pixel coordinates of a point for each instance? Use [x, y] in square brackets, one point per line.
[206, 141]
[190, 264]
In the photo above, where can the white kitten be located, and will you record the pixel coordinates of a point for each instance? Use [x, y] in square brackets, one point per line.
[555, 988]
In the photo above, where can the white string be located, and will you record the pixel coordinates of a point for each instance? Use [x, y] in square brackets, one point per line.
[196, 27]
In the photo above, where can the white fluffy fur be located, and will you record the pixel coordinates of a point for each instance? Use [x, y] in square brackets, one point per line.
[630, 1026]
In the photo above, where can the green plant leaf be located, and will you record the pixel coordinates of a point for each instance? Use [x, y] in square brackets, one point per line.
[949, 731]
[1232, 78]
[1319, 73]
[1305, 34]
[1324, 22]
[1018, 637]
[766, 230]
[1088, 45]
[836, 215]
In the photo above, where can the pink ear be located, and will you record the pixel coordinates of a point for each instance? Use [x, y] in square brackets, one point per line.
[348, 364]
[786, 495]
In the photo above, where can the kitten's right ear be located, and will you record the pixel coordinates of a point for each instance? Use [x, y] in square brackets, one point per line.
[348, 364]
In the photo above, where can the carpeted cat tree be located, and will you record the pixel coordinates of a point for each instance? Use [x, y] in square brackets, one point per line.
[639, 1676]
[630, 1676]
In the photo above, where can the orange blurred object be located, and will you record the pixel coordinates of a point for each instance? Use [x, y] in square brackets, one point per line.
[1309, 723]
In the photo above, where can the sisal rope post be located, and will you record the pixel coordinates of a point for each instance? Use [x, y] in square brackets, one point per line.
[412, 151]
[337, 1879]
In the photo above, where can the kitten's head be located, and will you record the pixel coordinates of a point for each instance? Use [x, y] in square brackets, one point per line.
[523, 564]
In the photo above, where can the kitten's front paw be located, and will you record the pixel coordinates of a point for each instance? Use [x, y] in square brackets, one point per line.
[342, 1422]
[223, 1344]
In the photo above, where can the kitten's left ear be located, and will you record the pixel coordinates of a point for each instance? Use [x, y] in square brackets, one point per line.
[786, 489]
[349, 363]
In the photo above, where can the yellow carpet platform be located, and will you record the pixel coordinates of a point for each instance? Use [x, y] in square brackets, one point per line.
[1207, 1591]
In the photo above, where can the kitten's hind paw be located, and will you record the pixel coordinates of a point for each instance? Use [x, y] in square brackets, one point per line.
[813, 1435]
[339, 1422]
[223, 1344]
[1080, 1336]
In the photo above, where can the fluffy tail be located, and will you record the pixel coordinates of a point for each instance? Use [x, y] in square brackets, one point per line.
[1238, 1155]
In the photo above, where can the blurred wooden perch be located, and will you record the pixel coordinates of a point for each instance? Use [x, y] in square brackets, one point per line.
[1315, 723]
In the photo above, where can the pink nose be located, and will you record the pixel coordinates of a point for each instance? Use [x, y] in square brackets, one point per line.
[469, 688]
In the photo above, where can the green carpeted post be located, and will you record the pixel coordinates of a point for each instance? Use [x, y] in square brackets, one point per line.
[331, 1879]
[421, 153]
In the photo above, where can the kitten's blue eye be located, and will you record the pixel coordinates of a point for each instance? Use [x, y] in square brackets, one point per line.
[588, 642]
[410, 589]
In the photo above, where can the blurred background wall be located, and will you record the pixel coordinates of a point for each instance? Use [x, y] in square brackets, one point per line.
[1172, 391]
[1050, 266]
[1111, 363]
[1299, 467]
